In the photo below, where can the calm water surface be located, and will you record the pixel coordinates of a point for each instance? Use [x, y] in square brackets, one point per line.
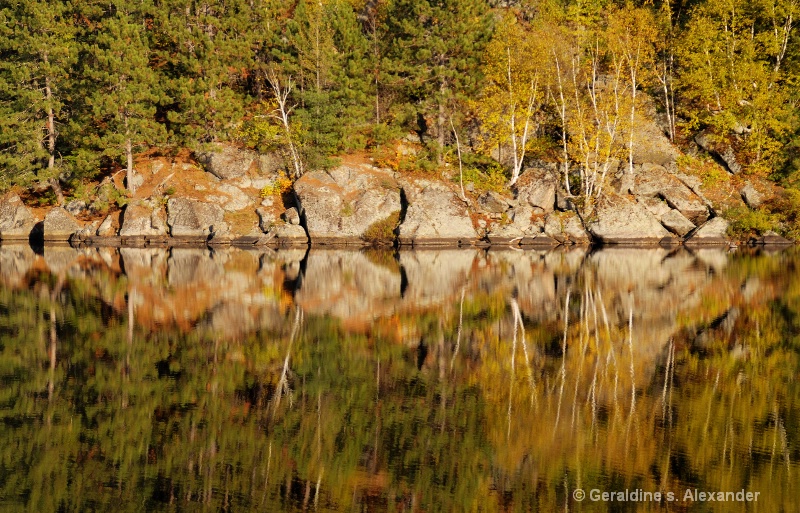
[453, 380]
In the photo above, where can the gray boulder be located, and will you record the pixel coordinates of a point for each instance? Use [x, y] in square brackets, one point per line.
[435, 215]
[566, 227]
[76, 207]
[59, 225]
[16, 221]
[342, 204]
[677, 223]
[713, 232]
[618, 220]
[721, 150]
[194, 219]
[291, 216]
[537, 187]
[143, 219]
[751, 196]
[227, 161]
[655, 181]
[492, 203]
[231, 199]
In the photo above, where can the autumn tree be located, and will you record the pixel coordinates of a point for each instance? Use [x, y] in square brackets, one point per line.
[511, 102]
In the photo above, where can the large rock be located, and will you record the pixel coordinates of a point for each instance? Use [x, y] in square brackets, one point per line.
[751, 196]
[59, 225]
[655, 181]
[143, 219]
[342, 204]
[677, 223]
[435, 215]
[713, 232]
[650, 145]
[537, 187]
[227, 162]
[493, 203]
[16, 221]
[565, 227]
[193, 219]
[721, 150]
[231, 199]
[287, 234]
[618, 220]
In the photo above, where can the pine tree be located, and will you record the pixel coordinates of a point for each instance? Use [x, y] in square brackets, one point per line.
[37, 52]
[207, 49]
[123, 89]
[435, 55]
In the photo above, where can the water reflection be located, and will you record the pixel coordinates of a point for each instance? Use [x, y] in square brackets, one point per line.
[420, 381]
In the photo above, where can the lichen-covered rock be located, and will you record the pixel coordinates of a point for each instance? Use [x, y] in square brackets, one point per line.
[227, 162]
[537, 187]
[59, 225]
[193, 219]
[16, 221]
[435, 215]
[618, 220]
[655, 206]
[751, 196]
[565, 227]
[143, 219]
[232, 198]
[713, 231]
[722, 150]
[266, 218]
[291, 216]
[106, 228]
[493, 203]
[287, 234]
[655, 181]
[677, 223]
[340, 205]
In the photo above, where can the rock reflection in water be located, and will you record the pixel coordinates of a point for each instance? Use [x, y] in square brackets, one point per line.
[430, 380]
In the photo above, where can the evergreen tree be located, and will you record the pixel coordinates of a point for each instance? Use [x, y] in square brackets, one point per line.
[436, 53]
[207, 51]
[123, 90]
[37, 52]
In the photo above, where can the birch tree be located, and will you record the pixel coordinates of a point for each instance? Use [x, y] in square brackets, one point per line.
[511, 103]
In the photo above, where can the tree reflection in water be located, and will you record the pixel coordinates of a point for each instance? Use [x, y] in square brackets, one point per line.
[152, 379]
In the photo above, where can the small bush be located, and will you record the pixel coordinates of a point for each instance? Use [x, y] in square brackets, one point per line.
[277, 188]
[745, 223]
[485, 173]
[382, 231]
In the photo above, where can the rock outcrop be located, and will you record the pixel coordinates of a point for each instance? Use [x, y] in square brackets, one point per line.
[59, 225]
[618, 220]
[16, 221]
[143, 219]
[340, 205]
[537, 187]
[713, 232]
[435, 215]
[228, 162]
[192, 219]
[654, 181]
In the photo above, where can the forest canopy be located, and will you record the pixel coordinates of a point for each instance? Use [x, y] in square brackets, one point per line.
[85, 86]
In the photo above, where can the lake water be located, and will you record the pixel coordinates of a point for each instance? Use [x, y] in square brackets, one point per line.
[441, 380]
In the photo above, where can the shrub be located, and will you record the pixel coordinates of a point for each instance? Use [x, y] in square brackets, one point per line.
[383, 231]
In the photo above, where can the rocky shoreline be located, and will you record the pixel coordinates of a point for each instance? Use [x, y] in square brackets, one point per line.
[237, 197]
